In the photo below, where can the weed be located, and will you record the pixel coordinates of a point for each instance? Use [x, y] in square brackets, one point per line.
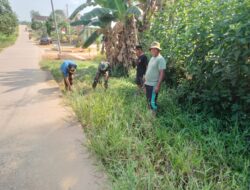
[175, 150]
[6, 41]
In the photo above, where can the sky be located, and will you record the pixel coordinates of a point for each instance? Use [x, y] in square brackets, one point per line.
[23, 7]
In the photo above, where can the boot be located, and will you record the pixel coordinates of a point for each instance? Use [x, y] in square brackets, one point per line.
[94, 84]
[106, 84]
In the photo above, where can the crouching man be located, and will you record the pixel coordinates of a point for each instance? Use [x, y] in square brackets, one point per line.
[68, 69]
[103, 71]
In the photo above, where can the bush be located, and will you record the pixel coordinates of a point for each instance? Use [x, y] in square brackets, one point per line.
[7, 40]
[8, 20]
[208, 48]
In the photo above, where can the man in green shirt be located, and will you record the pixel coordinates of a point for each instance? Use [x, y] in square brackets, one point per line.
[104, 70]
[154, 75]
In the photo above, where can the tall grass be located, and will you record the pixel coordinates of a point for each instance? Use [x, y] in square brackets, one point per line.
[175, 150]
[6, 40]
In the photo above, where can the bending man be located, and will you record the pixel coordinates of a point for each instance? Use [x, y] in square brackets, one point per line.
[103, 71]
[68, 69]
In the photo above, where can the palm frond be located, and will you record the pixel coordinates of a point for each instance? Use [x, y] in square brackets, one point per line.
[104, 3]
[120, 6]
[98, 12]
[81, 32]
[100, 23]
[134, 10]
[91, 39]
[80, 8]
[80, 22]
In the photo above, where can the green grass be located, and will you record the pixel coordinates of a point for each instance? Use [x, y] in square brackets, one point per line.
[175, 150]
[6, 41]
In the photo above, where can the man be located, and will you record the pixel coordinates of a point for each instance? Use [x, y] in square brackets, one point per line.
[68, 69]
[103, 71]
[154, 75]
[30, 36]
[141, 65]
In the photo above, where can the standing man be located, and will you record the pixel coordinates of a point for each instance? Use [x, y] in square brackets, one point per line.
[154, 75]
[141, 66]
[68, 69]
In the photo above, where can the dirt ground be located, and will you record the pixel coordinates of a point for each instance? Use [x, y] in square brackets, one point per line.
[68, 52]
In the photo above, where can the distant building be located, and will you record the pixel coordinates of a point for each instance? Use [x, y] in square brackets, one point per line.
[39, 18]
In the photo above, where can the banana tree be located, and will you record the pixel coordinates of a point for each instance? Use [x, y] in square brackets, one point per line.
[149, 7]
[116, 20]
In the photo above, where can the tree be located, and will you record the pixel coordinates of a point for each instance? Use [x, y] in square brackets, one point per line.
[49, 26]
[117, 22]
[60, 16]
[149, 7]
[36, 23]
[4, 6]
[8, 19]
[61, 20]
[34, 14]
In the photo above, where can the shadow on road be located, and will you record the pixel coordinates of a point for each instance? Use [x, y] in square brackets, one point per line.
[16, 80]
[49, 91]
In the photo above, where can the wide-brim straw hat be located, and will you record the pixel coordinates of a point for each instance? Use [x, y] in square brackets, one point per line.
[155, 45]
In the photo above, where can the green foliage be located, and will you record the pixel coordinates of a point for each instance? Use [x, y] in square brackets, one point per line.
[103, 16]
[175, 150]
[8, 25]
[99, 12]
[80, 8]
[208, 48]
[60, 16]
[93, 37]
[134, 10]
[36, 25]
[5, 6]
[8, 19]
[49, 26]
[7, 40]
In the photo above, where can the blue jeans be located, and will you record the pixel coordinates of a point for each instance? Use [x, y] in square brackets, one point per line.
[151, 97]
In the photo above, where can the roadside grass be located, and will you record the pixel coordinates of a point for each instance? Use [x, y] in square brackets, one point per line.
[175, 150]
[6, 41]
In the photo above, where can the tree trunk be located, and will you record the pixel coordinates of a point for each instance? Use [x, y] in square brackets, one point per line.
[149, 9]
[119, 45]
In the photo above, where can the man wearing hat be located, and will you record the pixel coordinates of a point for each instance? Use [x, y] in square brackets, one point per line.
[154, 75]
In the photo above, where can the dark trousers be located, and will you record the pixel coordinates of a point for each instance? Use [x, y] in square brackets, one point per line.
[151, 97]
[139, 80]
[98, 75]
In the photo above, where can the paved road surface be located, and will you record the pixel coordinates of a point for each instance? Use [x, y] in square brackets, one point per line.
[40, 141]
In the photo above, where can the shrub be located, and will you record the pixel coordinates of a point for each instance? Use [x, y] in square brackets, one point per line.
[8, 20]
[207, 44]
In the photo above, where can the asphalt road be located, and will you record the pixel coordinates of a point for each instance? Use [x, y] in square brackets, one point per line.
[41, 143]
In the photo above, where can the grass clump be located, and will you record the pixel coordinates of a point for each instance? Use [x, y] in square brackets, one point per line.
[7, 40]
[175, 150]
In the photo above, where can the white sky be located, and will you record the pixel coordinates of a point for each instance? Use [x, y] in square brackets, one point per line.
[23, 7]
